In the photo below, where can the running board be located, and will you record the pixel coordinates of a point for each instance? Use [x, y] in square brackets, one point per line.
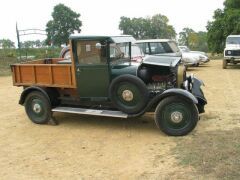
[93, 112]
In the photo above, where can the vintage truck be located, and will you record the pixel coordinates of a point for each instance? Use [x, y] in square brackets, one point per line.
[101, 80]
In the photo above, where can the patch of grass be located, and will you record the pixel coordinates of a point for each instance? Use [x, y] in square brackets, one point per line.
[5, 65]
[214, 154]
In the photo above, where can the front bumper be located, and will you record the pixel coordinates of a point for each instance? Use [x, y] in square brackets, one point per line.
[232, 59]
[193, 85]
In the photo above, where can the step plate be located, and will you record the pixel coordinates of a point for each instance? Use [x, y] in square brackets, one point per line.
[93, 112]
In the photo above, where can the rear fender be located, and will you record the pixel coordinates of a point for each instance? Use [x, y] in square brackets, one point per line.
[31, 89]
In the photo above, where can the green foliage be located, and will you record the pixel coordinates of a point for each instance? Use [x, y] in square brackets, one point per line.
[6, 44]
[194, 40]
[225, 22]
[32, 44]
[147, 28]
[65, 22]
[184, 36]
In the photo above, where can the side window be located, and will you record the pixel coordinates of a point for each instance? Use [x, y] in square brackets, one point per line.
[87, 53]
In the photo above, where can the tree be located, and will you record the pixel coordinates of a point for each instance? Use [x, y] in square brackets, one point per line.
[226, 22]
[65, 22]
[145, 28]
[184, 36]
[7, 44]
[194, 40]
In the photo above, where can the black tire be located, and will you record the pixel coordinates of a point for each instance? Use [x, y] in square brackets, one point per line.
[224, 65]
[176, 116]
[38, 107]
[129, 94]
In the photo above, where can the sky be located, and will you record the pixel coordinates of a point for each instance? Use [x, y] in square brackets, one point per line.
[103, 17]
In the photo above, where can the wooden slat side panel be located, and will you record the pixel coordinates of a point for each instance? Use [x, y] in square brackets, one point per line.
[61, 75]
[49, 75]
[43, 75]
[26, 74]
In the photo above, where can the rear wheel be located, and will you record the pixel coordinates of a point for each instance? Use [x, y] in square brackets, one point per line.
[176, 116]
[38, 108]
[224, 65]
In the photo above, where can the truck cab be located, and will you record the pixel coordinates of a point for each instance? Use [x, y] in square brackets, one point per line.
[100, 79]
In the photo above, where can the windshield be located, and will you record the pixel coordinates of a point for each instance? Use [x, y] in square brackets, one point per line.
[119, 53]
[233, 40]
[159, 47]
[174, 46]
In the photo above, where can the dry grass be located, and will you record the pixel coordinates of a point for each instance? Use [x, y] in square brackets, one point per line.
[215, 154]
[5, 65]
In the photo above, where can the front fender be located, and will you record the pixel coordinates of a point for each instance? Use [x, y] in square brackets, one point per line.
[197, 91]
[30, 89]
[170, 92]
[177, 92]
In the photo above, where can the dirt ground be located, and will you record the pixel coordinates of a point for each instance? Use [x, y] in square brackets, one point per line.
[89, 147]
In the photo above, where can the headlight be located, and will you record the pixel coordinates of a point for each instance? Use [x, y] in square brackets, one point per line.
[229, 52]
[181, 75]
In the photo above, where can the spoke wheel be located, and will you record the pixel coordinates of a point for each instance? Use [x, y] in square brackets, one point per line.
[38, 108]
[176, 116]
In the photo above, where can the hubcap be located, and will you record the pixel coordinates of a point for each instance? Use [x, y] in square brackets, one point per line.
[127, 95]
[37, 108]
[176, 117]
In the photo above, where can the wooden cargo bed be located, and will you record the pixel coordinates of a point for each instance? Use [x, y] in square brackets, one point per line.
[46, 72]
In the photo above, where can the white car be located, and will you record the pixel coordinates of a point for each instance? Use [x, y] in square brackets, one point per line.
[203, 57]
[167, 47]
[190, 59]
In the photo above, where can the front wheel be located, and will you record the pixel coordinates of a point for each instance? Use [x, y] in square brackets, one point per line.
[176, 116]
[38, 108]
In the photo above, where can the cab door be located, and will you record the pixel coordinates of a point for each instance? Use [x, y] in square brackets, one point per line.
[92, 72]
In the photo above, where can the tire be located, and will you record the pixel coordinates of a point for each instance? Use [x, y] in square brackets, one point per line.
[176, 116]
[129, 94]
[224, 65]
[38, 107]
[64, 52]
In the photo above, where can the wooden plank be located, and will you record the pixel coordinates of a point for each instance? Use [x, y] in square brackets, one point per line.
[51, 75]
[19, 74]
[34, 74]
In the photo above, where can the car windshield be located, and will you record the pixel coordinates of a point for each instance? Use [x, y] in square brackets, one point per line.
[159, 47]
[233, 40]
[119, 53]
[174, 46]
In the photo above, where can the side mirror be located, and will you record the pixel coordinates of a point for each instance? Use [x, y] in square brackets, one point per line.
[98, 45]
